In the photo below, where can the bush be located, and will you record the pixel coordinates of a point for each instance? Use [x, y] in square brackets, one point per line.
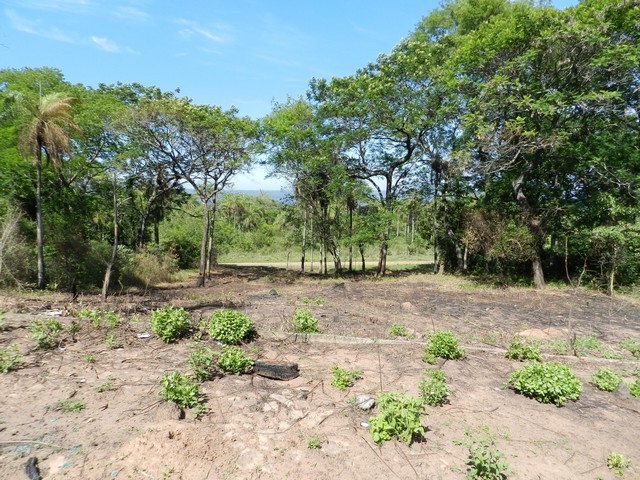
[46, 334]
[484, 461]
[633, 345]
[202, 363]
[229, 326]
[397, 330]
[234, 360]
[180, 390]
[399, 417]
[606, 380]
[618, 463]
[634, 388]
[170, 323]
[344, 378]
[521, 350]
[546, 382]
[304, 322]
[147, 268]
[442, 345]
[433, 390]
[9, 358]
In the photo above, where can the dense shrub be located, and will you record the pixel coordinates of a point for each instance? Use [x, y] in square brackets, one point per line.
[546, 382]
[230, 326]
[169, 323]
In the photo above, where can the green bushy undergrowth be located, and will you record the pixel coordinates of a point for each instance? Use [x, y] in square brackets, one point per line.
[433, 389]
[47, 334]
[9, 358]
[304, 322]
[522, 350]
[180, 390]
[442, 344]
[233, 360]
[202, 363]
[606, 380]
[399, 416]
[484, 461]
[169, 323]
[229, 326]
[342, 379]
[548, 382]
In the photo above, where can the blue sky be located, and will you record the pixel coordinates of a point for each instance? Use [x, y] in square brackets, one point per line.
[246, 53]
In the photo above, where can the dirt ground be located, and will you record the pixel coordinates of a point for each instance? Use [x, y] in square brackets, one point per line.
[257, 428]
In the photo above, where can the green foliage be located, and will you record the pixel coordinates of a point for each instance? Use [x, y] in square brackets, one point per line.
[169, 323]
[180, 390]
[304, 322]
[202, 363]
[149, 267]
[229, 326]
[442, 344]
[314, 443]
[618, 463]
[107, 386]
[548, 382]
[632, 345]
[342, 379]
[90, 358]
[634, 388]
[92, 315]
[111, 320]
[606, 379]
[110, 341]
[580, 344]
[398, 330]
[233, 360]
[521, 350]
[318, 301]
[433, 389]
[69, 406]
[399, 416]
[483, 460]
[47, 334]
[9, 358]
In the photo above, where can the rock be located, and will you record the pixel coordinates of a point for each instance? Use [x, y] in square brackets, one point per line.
[407, 306]
[622, 391]
[32, 470]
[273, 293]
[169, 411]
[365, 402]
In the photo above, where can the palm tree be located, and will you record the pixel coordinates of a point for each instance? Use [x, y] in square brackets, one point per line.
[46, 132]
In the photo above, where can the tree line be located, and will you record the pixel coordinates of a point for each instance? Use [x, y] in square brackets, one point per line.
[504, 134]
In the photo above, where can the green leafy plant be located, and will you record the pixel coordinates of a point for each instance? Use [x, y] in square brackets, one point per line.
[202, 363]
[3, 321]
[90, 358]
[107, 386]
[111, 320]
[399, 416]
[548, 382]
[110, 341]
[304, 322]
[618, 463]
[634, 388]
[318, 301]
[521, 350]
[442, 344]
[342, 379]
[180, 390]
[229, 326]
[314, 443]
[484, 461]
[69, 406]
[433, 389]
[586, 343]
[46, 333]
[92, 315]
[233, 360]
[169, 323]
[397, 330]
[632, 345]
[9, 358]
[606, 379]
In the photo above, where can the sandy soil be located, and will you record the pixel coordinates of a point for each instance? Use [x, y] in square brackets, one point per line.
[257, 428]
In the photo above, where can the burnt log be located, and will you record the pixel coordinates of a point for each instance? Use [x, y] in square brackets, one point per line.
[275, 369]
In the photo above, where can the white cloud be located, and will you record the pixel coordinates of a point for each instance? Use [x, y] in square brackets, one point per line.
[193, 27]
[105, 44]
[72, 6]
[131, 13]
[33, 27]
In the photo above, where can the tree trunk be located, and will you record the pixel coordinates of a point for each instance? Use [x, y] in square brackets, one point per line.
[361, 249]
[532, 221]
[114, 251]
[304, 240]
[42, 280]
[200, 282]
[384, 249]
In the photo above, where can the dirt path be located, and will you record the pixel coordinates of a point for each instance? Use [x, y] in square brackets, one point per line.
[259, 428]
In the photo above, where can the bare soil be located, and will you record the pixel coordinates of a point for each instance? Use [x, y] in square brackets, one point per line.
[257, 428]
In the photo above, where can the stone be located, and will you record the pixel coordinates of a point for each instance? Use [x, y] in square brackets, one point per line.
[365, 402]
[169, 411]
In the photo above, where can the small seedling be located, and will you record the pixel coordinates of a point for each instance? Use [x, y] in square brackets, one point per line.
[46, 333]
[342, 379]
[90, 358]
[399, 416]
[169, 323]
[484, 461]
[314, 443]
[110, 341]
[111, 320]
[68, 406]
[233, 360]
[229, 326]
[73, 328]
[397, 330]
[433, 389]
[548, 382]
[318, 301]
[606, 380]
[521, 350]
[618, 463]
[180, 390]
[304, 322]
[106, 387]
[202, 363]
[634, 388]
[632, 345]
[9, 358]
[442, 344]
[92, 315]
